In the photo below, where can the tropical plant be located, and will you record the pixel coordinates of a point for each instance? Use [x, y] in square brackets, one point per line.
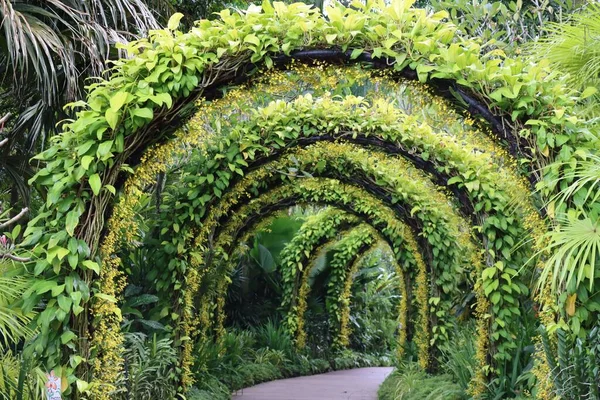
[149, 369]
[409, 382]
[573, 48]
[375, 300]
[48, 50]
[13, 321]
[14, 281]
[574, 252]
[457, 358]
[574, 364]
[20, 375]
[274, 336]
[194, 10]
[21, 378]
[124, 105]
[254, 295]
[504, 24]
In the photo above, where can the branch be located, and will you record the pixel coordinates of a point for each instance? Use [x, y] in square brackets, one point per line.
[2, 122]
[15, 258]
[4, 119]
[14, 219]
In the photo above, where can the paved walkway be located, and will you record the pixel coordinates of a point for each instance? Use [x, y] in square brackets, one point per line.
[352, 384]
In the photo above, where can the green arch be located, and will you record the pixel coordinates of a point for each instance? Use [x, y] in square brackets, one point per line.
[307, 104]
[321, 231]
[122, 114]
[308, 245]
[485, 189]
[354, 200]
[350, 163]
[344, 302]
[345, 253]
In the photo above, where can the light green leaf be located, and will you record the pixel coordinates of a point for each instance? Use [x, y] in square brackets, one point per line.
[145, 113]
[589, 91]
[112, 117]
[89, 264]
[95, 184]
[72, 221]
[118, 100]
[86, 161]
[173, 23]
[67, 337]
[251, 38]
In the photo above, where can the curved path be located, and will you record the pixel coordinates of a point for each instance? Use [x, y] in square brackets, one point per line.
[351, 384]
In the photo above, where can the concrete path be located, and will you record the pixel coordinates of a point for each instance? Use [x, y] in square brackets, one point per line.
[352, 384]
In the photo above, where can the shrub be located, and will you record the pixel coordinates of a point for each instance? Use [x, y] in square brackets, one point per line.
[574, 364]
[409, 382]
[149, 368]
[274, 336]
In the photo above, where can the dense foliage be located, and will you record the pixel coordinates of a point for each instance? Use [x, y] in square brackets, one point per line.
[441, 196]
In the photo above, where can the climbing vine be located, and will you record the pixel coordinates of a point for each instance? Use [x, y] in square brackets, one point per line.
[123, 116]
[304, 109]
[344, 255]
[498, 230]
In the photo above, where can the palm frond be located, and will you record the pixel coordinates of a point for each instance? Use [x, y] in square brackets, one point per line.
[575, 248]
[50, 47]
[574, 48]
[13, 322]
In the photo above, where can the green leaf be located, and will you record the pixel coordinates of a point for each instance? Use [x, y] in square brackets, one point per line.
[85, 147]
[72, 221]
[67, 337]
[118, 100]
[41, 287]
[162, 98]
[145, 113]
[589, 91]
[112, 117]
[454, 179]
[267, 7]
[104, 148]
[495, 297]
[82, 386]
[64, 303]
[111, 189]
[89, 264]
[251, 38]
[356, 53]
[86, 161]
[173, 23]
[95, 184]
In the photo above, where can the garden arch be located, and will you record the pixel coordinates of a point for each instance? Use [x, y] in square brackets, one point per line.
[496, 200]
[357, 203]
[333, 229]
[354, 201]
[149, 93]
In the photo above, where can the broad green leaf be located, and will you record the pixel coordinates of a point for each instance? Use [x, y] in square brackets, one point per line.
[86, 161]
[173, 23]
[118, 100]
[89, 264]
[112, 117]
[71, 221]
[95, 184]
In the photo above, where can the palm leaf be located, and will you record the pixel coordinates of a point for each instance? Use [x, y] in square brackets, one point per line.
[574, 248]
